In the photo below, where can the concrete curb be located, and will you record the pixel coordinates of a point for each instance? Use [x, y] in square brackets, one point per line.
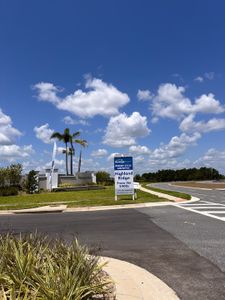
[41, 209]
[133, 282]
[162, 195]
[179, 200]
[122, 206]
[96, 208]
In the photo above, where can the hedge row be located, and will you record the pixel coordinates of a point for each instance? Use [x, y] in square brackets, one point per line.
[8, 191]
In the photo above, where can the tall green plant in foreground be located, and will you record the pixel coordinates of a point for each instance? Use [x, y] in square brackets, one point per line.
[33, 267]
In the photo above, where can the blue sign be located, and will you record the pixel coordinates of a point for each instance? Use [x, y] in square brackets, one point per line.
[123, 171]
[123, 163]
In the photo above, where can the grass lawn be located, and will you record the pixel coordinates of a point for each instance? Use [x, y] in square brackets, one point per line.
[74, 199]
[172, 193]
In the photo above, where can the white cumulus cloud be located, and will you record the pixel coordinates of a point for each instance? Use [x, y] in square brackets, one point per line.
[100, 98]
[44, 133]
[139, 150]
[213, 158]
[8, 133]
[206, 75]
[207, 104]
[13, 152]
[112, 155]
[70, 121]
[47, 92]
[171, 102]
[123, 130]
[176, 146]
[189, 125]
[144, 95]
[99, 153]
[199, 79]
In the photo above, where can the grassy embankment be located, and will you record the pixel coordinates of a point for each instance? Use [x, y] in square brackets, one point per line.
[171, 193]
[74, 199]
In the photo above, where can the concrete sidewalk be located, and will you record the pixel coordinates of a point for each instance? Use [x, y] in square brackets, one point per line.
[133, 282]
[169, 197]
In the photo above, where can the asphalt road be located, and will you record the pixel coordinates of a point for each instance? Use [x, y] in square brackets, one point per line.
[207, 195]
[184, 249]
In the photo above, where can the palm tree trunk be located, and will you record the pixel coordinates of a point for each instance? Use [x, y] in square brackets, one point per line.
[71, 163]
[79, 164]
[67, 160]
[74, 159]
[71, 159]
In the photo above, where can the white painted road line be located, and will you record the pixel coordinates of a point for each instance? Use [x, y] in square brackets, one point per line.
[208, 209]
[214, 212]
[201, 203]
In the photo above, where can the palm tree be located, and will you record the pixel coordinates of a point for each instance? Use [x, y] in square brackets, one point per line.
[72, 150]
[84, 144]
[65, 137]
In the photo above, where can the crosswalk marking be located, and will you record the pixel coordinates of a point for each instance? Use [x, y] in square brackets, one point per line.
[206, 208]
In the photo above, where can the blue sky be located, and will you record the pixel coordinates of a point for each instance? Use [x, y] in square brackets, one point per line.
[136, 77]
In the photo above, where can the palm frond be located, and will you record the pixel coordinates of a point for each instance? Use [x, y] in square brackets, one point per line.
[76, 134]
[83, 143]
[57, 135]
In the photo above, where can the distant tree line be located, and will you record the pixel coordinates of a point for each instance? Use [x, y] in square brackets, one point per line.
[104, 178]
[180, 175]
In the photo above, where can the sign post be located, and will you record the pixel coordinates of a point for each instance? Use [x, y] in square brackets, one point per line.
[53, 164]
[123, 171]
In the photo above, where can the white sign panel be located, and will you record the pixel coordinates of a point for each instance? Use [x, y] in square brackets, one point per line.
[123, 171]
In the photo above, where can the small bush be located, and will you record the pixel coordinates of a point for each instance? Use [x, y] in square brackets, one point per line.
[32, 267]
[107, 183]
[32, 182]
[9, 191]
[102, 176]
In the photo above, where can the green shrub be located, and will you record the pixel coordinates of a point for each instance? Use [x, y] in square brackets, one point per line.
[33, 267]
[32, 182]
[9, 191]
[102, 176]
[14, 174]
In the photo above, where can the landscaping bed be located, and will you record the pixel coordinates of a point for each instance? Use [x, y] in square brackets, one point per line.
[33, 268]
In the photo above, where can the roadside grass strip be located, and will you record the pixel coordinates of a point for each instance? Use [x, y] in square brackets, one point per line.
[171, 193]
[75, 199]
